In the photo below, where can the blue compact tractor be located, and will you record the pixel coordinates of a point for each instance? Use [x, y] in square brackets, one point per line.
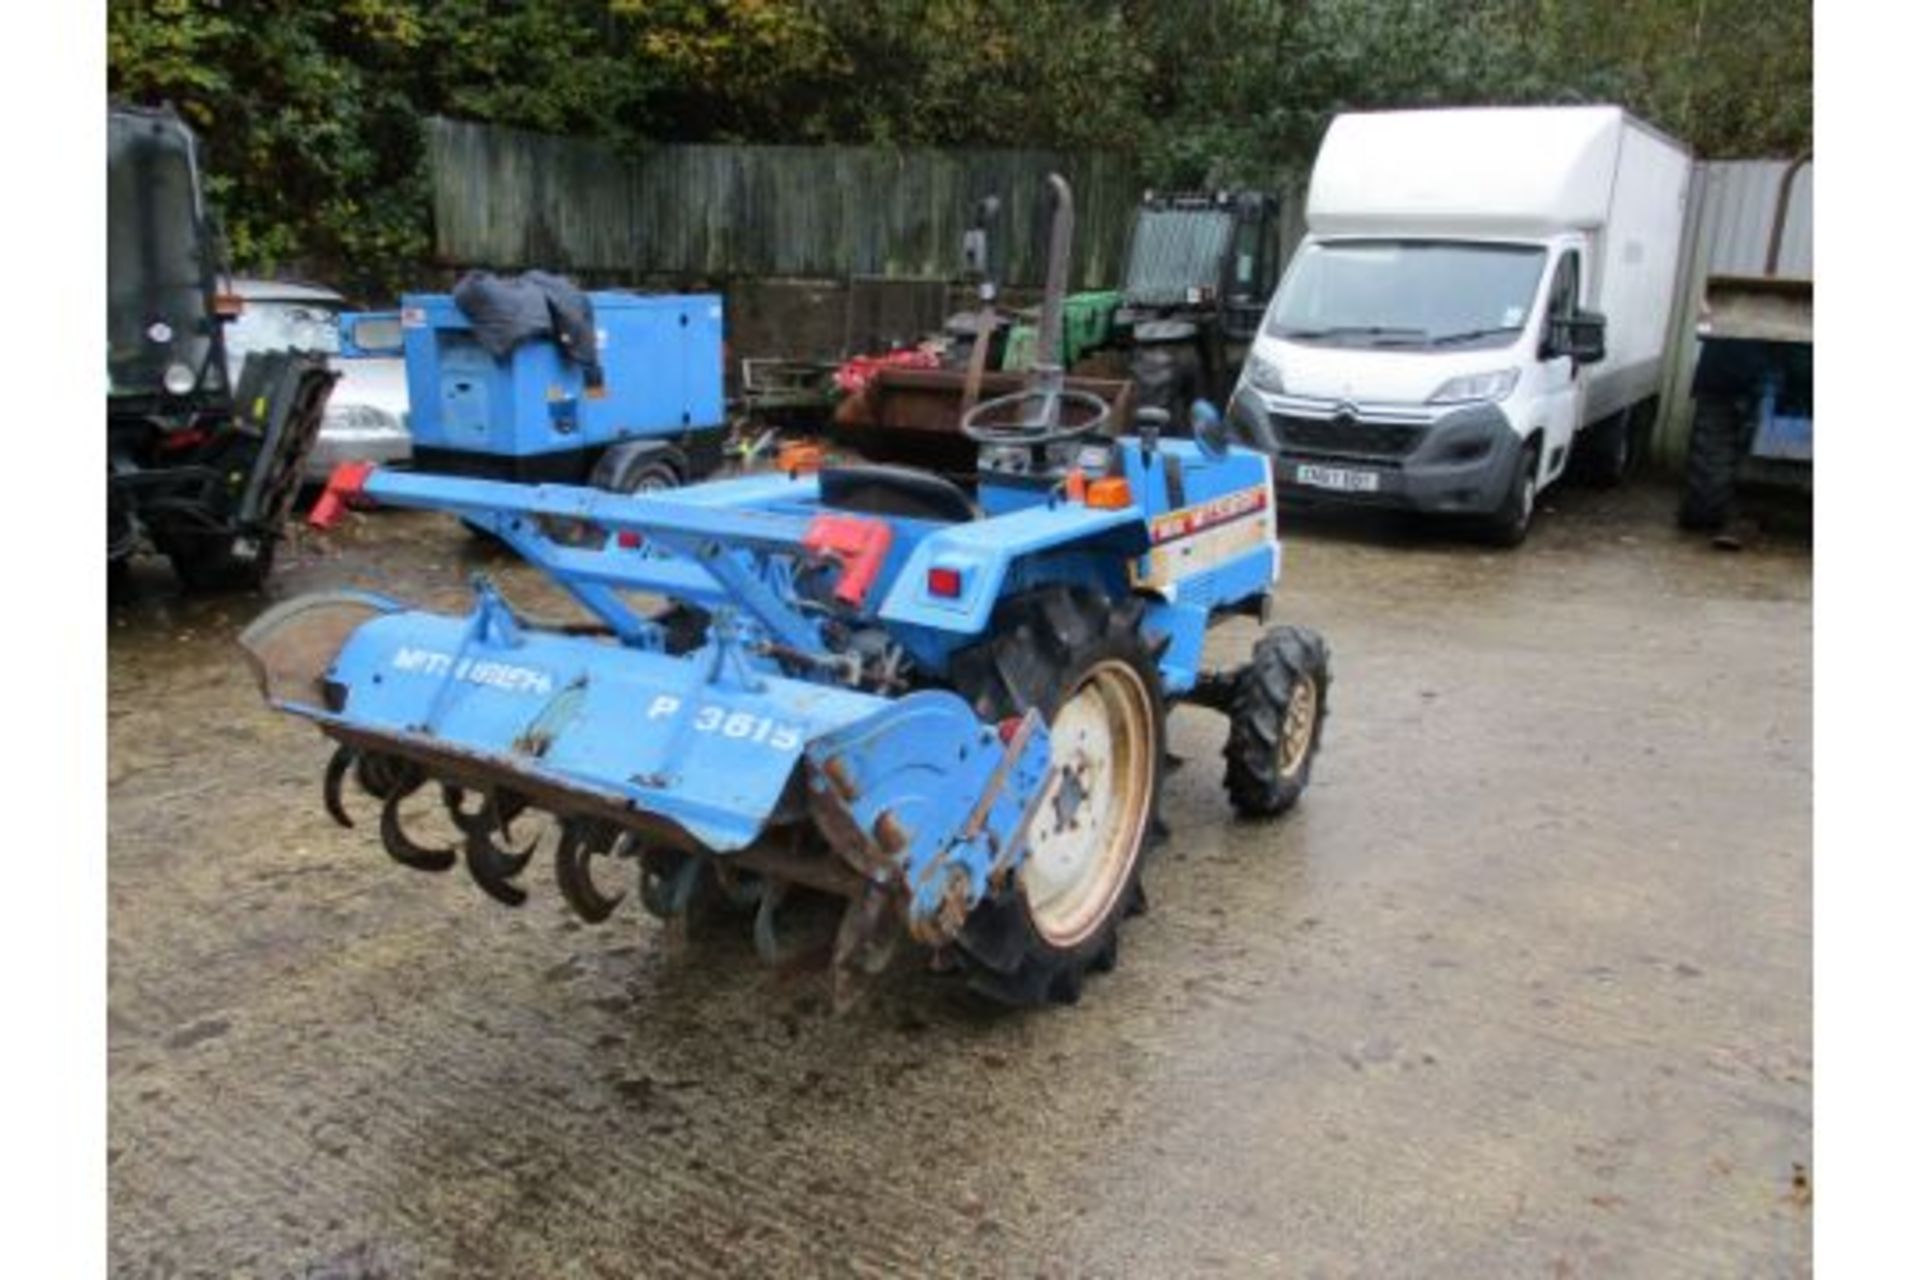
[947, 708]
[643, 410]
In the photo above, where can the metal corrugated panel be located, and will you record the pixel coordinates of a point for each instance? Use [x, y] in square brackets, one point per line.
[1730, 210]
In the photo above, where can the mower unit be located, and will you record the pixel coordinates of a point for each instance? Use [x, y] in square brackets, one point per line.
[202, 471]
[946, 708]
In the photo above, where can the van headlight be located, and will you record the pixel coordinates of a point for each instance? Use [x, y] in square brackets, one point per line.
[1472, 388]
[1264, 375]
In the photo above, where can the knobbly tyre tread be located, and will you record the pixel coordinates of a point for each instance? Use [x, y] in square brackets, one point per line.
[1166, 376]
[1039, 644]
[1281, 657]
[1713, 463]
[207, 564]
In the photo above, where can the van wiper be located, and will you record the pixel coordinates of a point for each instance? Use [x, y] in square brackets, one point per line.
[1397, 332]
[1468, 335]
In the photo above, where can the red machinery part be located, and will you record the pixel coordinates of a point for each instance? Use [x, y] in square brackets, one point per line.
[859, 545]
[345, 487]
[853, 375]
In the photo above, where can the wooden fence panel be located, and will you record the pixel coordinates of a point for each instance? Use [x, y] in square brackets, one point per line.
[507, 198]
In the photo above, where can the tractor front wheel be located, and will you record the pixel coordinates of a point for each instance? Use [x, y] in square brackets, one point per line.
[1083, 662]
[1273, 731]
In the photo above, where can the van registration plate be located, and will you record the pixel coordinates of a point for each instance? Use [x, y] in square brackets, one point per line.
[1341, 478]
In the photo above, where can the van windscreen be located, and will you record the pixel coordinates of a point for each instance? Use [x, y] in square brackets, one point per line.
[1407, 293]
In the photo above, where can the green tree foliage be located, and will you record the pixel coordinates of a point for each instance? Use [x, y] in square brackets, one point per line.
[311, 113]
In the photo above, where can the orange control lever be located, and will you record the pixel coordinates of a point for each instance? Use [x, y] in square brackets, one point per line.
[859, 545]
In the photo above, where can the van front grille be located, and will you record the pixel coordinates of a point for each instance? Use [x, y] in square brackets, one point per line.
[1347, 437]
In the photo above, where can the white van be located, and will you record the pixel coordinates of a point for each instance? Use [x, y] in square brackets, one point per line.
[1480, 291]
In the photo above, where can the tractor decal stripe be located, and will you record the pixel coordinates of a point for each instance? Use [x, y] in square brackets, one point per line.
[1188, 521]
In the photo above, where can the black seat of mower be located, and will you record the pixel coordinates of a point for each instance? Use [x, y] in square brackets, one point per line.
[895, 491]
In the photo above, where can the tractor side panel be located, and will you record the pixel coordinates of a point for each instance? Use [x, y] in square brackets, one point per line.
[1211, 526]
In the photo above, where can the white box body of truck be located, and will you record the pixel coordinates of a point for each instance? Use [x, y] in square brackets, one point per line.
[1479, 290]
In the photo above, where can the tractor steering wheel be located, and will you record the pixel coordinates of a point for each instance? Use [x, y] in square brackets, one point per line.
[1041, 426]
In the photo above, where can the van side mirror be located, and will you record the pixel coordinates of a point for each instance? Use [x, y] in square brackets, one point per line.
[1584, 337]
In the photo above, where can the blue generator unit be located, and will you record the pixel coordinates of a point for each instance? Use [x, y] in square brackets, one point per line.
[656, 419]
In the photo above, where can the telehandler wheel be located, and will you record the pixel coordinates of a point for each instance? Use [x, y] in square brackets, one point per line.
[1167, 376]
[1082, 660]
[1273, 728]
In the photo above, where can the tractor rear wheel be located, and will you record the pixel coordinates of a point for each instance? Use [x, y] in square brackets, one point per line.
[1082, 661]
[1273, 731]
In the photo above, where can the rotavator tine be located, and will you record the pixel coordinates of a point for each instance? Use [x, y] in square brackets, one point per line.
[337, 766]
[580, 843]
[402, 849]
[492, 867]
[469, 821]
[508, 804]
[382, 776]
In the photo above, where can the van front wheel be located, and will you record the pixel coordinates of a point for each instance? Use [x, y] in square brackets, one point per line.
[1508, 525]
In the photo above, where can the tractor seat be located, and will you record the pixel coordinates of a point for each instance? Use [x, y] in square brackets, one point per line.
[896, 491]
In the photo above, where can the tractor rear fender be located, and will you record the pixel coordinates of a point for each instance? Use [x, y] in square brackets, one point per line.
[957, 575]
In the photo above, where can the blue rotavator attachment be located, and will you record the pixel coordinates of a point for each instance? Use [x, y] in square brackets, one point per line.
[743, 736]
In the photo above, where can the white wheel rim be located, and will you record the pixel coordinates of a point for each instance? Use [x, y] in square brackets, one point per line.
[1093, 818]
[1296, 733]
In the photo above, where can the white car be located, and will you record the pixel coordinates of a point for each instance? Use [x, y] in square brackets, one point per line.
[366, 418]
